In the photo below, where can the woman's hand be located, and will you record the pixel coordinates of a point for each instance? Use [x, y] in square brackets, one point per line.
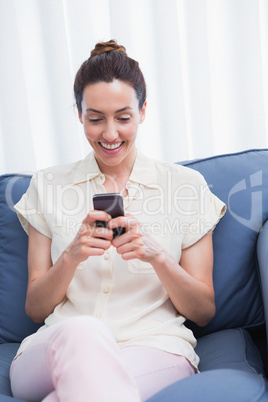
[134, 243]
[189, 283]
[48, 283]
[90, 239]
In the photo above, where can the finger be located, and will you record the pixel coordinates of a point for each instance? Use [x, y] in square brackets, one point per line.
[134, 245]
[94, 242]
[96, 251]
[123, 221]
[96, 215]
[95, 231]
[102, 233]
[129, 256]
[128, 237]
[129, 215]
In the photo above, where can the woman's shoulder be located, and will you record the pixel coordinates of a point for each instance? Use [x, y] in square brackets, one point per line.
[177, 171]
[62, 173]
[58, 172]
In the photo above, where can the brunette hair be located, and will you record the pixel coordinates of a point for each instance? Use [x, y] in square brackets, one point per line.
[109, 61]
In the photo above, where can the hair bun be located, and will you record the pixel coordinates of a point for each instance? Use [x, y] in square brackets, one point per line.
[104, 47]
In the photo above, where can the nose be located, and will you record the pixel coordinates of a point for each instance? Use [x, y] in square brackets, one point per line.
[110, 133]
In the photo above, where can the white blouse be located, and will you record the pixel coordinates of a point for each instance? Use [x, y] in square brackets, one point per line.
[173, 204]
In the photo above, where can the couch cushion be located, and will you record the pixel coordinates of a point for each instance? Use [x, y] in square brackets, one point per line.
[241, 181]
[229, 349]
[216, 386]
[14, 324]
[7, 353]
[10, 399]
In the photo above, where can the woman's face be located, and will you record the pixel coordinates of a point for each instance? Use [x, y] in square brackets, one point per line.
[111, 116]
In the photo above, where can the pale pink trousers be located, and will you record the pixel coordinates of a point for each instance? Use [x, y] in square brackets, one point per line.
[78, 360]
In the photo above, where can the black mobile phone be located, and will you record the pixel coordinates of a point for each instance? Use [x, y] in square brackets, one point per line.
[112, 203]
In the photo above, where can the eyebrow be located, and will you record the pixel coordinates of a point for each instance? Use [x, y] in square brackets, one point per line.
[117, 111]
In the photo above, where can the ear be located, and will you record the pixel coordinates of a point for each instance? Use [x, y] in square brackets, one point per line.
[80, 117]
[142, 112]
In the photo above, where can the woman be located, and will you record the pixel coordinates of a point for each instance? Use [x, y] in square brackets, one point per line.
[114, 309]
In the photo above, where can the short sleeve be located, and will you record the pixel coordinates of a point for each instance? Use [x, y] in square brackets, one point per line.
[206, 211]
[30, 209]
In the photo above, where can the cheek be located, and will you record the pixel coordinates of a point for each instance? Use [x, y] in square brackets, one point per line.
[131, 130]
[91, 132]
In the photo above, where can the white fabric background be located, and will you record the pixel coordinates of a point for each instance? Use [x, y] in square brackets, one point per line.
[205, 63]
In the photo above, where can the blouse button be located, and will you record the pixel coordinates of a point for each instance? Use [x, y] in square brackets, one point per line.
[106, 290]
[106, 255]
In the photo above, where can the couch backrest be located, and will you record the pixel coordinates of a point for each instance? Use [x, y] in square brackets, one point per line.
[241, 181]
[14, 324]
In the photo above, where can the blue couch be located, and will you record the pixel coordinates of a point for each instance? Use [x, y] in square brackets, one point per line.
[233, 347]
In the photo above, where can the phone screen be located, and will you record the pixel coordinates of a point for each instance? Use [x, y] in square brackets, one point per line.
[112, 203]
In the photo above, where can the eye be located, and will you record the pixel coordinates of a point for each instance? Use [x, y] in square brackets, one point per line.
[92, 120]
[124, 118]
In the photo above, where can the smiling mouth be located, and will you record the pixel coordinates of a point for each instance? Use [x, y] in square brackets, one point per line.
[111, 146]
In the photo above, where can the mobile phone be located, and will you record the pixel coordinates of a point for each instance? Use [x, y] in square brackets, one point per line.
[112, 203]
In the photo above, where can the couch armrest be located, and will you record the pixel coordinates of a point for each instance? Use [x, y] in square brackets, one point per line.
[262, 254]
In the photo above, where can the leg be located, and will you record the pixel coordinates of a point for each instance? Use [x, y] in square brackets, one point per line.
[153, 369]
[29, 374]
[52, 397]
[79, 360]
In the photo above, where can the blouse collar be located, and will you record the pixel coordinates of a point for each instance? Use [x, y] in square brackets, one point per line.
[143, 172]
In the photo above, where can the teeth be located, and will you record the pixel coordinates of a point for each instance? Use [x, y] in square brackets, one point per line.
[112, 146]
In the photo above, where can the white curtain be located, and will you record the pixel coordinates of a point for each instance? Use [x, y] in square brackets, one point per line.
[205, 63]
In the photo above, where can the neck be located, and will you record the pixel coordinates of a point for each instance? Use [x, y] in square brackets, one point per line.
[123, 170]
